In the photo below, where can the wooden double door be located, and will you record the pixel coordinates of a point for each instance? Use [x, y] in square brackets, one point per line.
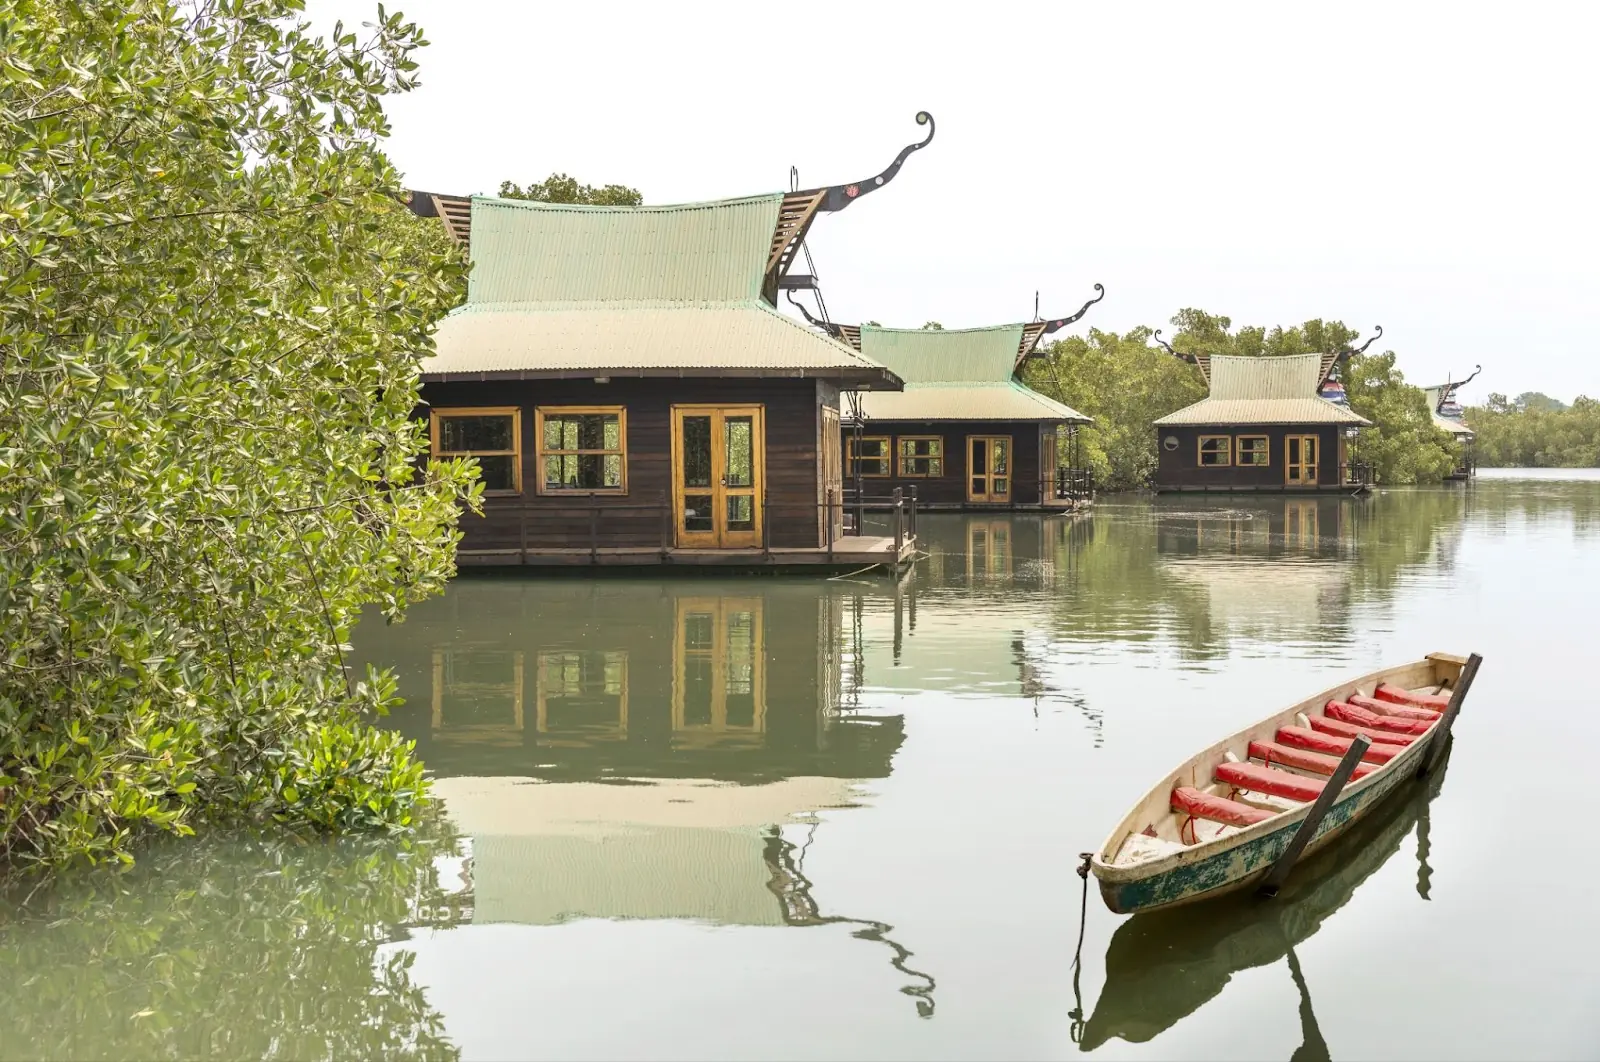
[1301, 453]
[718, 475]
[988, 468]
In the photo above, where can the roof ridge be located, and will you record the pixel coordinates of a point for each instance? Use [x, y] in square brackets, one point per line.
[642, 208]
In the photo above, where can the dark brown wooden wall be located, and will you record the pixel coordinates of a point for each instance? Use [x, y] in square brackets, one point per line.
[1180, 468]
[637, 518]
[951, 488]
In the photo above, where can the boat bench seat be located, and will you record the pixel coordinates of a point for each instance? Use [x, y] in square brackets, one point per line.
[1203, 805]
[1339, 728]
[1437, 701]
[1349, 713]
[1399, 711]
[1334, 745]
[1269, 752]
[1266, 780]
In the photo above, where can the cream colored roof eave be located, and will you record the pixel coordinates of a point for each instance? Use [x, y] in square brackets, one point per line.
[930, 403]
[1261, 411]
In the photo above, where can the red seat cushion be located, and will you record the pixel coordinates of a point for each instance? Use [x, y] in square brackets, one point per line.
[1266, 780]
[1401, 711]
[1325, 725]
[1349, 713]
[1270, 752]
[1333, 745]
[1218, 809]
[1437, 701]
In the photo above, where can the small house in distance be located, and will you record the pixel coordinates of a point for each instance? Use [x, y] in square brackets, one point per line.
[965, 433]
[1262, 427]
[630, 391]
[1448, 416]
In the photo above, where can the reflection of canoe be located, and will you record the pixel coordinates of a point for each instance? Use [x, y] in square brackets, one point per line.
[1221, 820]
[1163, 966]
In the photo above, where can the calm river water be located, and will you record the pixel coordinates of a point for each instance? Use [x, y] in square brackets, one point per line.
[798, 818]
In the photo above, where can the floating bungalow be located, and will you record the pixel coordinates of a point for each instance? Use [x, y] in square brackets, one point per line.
[1264, 426]
[965, 433]
[1448, 416]
[631, 393]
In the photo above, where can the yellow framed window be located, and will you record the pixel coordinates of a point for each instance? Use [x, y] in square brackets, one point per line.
[1215, 450]
[1252, 450]
[582, 449]
[491, 434]
[921, 456]
[872, 451]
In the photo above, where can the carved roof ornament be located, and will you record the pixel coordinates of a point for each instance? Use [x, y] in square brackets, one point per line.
[1034, 331]
[1199, 361]
[1331, 362]
[802, 206]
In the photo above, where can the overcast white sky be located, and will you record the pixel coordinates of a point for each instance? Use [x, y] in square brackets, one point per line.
[1427, 167]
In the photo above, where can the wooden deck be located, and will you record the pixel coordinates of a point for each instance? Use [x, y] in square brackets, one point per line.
[847, 554]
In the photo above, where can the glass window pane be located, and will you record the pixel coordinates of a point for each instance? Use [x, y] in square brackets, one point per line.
[498, 473]
[696, 455]
[933, 467]
[999, 485]
[978, 486]
[1002, 451]
[741, 512]
[475, 433]
[740, 467]
[697, 514]
[980, 458]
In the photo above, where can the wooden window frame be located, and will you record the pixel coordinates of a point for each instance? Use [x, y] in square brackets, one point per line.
[900, 457]
[1266, 451]
[887, 458]
[1226, 453]
[439, 413]
[539, 415]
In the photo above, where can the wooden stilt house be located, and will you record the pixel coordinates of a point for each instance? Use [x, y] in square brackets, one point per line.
[632, 395]
[1264, 426]
[965, 433]
[1448, 416]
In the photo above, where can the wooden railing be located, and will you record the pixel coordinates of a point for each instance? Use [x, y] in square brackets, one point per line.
[1356, 474]
[1075, 483]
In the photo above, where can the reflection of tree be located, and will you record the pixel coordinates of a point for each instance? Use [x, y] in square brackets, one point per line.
[229, 947]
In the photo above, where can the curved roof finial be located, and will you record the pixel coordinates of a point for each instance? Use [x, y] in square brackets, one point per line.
[1476, 369]
[1062, 322]
[1168, 348]
[1362, 349]
[839, 196]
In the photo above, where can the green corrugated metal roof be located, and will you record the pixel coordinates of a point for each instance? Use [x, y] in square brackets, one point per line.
[1281, 390]
[932, 355]
[966, 401]
[527, 252]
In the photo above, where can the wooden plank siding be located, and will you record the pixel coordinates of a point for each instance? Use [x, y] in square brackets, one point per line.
[641, 517]
[1178, 468]
[1028, 486]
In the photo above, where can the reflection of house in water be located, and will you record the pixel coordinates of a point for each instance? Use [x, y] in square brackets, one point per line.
[610, 679]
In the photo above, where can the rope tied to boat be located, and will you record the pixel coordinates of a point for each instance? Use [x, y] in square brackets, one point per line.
[1076, 1013]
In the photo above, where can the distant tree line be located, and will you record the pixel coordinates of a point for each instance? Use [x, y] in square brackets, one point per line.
[1536, 431]
[1125, 382]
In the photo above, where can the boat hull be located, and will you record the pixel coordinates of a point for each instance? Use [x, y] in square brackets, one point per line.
[1242, 859]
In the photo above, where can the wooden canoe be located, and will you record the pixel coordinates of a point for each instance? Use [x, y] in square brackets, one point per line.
[1221, 821]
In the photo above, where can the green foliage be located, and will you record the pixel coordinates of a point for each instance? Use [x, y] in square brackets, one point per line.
[231, 947]
[1124, 383]
[559, 188]
[1403, 445]
[212, 316]
[932, 326]
[1535, 431]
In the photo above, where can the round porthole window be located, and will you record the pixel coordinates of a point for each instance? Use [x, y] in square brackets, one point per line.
[1169, 443]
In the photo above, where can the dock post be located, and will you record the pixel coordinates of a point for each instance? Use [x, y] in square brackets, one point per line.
[1441, 736]
[1319, 810]
[522, 533]
[666, 527]
[913, 517]
[766, 526]
[899, 522]
[594, 533]
[827, 516]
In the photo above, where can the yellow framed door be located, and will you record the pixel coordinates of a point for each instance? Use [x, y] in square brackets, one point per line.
[718, 459]
[989, 468]
[719, 684]
[1300, 460]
